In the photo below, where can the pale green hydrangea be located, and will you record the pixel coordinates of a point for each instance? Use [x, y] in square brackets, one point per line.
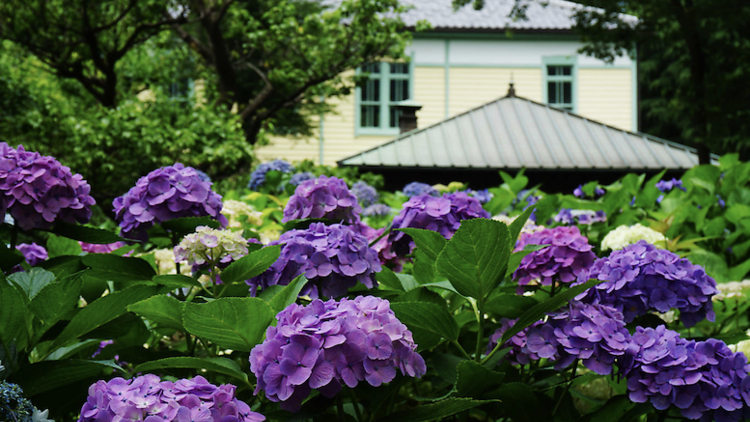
[627, 235]
[732, 289]
[211, 246]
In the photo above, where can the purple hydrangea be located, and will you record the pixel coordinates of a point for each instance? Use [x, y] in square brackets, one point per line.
[298, 178]
[418, 188]
[376, 210]
[37, 190]
[441, 214]
[366, 194]
[705, 380]
[165, 194]
[483, 196]
[581, 194]
[324, 197]
[258, 177]
[668, 185]
[92, 248]
[149, 399]
[33, 253]
[325, 345]
[382, 246]
[333, 258]
[519, 354]
[567, 256]
[585, 217]
[641, 278]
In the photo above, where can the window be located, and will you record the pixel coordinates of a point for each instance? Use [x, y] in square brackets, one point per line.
[559, 82]
[388, 84]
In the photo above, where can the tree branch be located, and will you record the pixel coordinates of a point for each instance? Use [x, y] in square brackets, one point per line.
[194, 43]
[258, 100]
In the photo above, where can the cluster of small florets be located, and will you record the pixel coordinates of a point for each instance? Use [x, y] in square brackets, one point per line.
[210, 246]
[325, 345]
[667, 185]
[732, 289]
[627, 235]
[97, 248]
[418, 188]
[585, 217]
[324, 197]
[236, 211]
[704, 380]
[366, 194]
[298, 178]
[483, 196]
[528, 227]
[333, 258]
[165, 194]
[519, 354]
[33, 254]
[147, 398]
[578, 192]
[13, 405]
[567, 256]
[258, 177]
[37, 190]
[641, 278]
[376, 210]
[382, 246]
[440, 214]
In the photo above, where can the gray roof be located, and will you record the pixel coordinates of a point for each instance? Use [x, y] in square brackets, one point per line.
[541, 15]
[515, 133]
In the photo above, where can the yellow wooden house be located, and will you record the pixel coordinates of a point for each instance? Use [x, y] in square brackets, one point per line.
[467, 59]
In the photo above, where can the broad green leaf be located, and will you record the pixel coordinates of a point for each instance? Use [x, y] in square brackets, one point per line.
[62, 266]
[428, 241]
[476, 257]
[520, 403]
[427, 316]
[614, 409]
[517, 225]
[9, 258]
[420, 294]
[12, 314]
[388, 278]
[232, 323]
[220, 365]
[118, 268]
[62, 246]
[176, 281]
[48, 375]
[56, 299]
[288, 294]
[510, 306]
[85, 233]
[179, 227]
[434, 411]
[424, 270]
[103, 310]
[164, 310]
[474, 380]
[552, 304]
[69, 351]
[251, 265]
[31, 282]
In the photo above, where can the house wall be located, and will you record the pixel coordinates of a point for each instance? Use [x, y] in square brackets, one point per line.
[457, 72]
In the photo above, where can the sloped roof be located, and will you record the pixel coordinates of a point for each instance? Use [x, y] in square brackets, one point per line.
[515, 133]
[541, 15]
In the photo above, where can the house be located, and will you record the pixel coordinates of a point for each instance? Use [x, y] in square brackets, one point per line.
[467, 59]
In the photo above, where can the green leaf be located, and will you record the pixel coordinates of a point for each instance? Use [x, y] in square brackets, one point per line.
[304, 223]
[185, 225]
[251, 265]
[164, 310]
[49, 375]
[62, 246]
[434, 411]
[220, 365]
[56, 299]
[428, 241]
[424, 270]
[475, 258]
[31, 282]
[552, 304]
[288, 294]
[232, 323]
[388, 278]
[517, 225]
[176, 281]
[118, 268]
[427, 316]
[520, 403]
[103, 310]
[62, 266]
[85, 233]
[12, 314]
[474, 380]
[9, 258]
[510, 306]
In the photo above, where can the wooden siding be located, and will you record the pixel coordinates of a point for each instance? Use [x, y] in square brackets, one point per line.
[429, 90]
[471, 87]
[606, 95]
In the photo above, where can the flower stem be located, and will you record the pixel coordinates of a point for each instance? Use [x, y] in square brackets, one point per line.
[480, 330]
[461, 349]
[340, 407]
[355, 404]
[567, 387]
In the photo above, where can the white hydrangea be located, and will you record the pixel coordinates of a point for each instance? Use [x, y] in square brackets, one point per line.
[39, 416]
[627, 235]
[2, 368]
[743, 346]
[733, 289]
[529, 227]
[234, 210]
[165, 263]
[209, 245]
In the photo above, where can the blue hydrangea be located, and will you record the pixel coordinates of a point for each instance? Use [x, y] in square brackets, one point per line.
[418, 188]
[258, 177]
[483, 196]
[376, 210]
[366, 194]
[13, 405]
[298, 178]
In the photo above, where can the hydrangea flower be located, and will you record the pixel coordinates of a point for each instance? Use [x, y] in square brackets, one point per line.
[483, 196]
[568, 256]
[366, 194]
[586, 217]
[210, 246]
[149, 399]
[333, 259]
[441, 214]
[732, 289]
[164, 194]
[235, 210]
[382, 247]
[298, 178]
[203, 176]
[528, 227]
[13, 405]
[578, 192]
[324, 197]
[376, 210]
[418, 188]
[627, 235]
[37, 190]
[641, 277]
[519, 354]
[667, 185]
[96, 248]
[325, 345]
[33, 253]
[704, 380]
[258, 177]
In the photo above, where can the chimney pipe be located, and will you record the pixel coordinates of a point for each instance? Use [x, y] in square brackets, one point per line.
[407, 115]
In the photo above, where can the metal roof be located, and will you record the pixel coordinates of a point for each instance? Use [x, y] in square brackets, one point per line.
[515, 133]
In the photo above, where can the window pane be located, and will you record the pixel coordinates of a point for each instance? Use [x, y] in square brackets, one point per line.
[567, 96]
[393, 119]
[400, 68]
[399, 90]
[371, 90]
[369, 116]
[552, 70]
[371, 68]
[566, 70]
[552, 92]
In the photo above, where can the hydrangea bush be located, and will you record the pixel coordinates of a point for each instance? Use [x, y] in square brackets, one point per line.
[324, 197]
